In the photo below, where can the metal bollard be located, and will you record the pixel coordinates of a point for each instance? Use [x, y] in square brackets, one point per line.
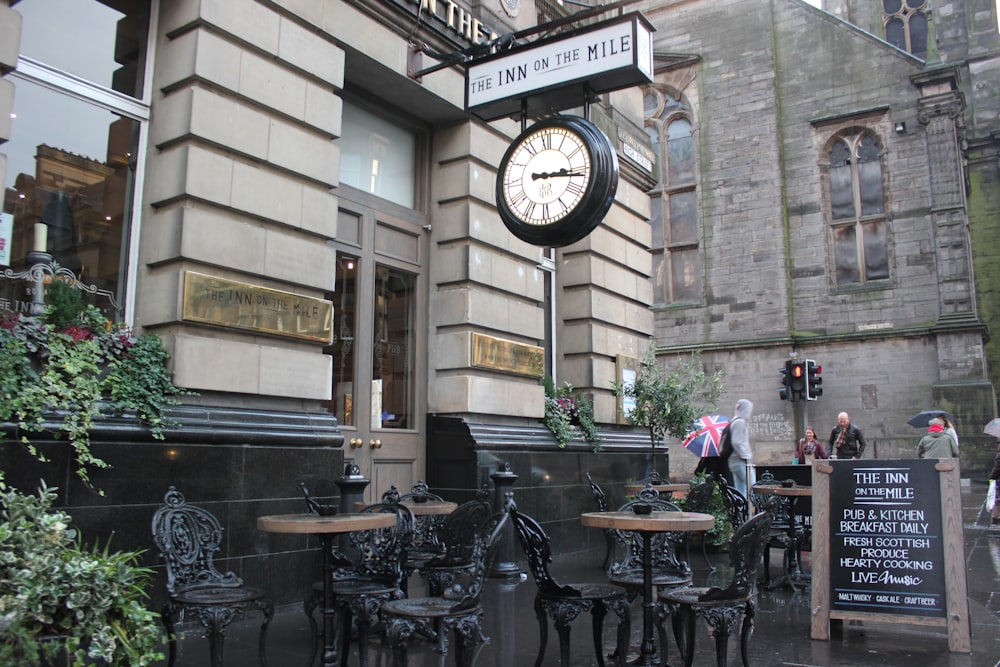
[504, 566]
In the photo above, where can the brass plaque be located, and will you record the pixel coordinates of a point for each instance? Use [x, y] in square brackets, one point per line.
[506, 355]
[235, 305]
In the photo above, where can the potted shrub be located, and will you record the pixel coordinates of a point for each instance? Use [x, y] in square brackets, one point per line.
[568, 415]
[669, 400]
[62, 603]
[71, 365]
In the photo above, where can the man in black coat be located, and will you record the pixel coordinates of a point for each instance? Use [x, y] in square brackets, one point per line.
[846, 440]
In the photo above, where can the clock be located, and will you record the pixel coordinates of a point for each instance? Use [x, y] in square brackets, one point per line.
[557, 181]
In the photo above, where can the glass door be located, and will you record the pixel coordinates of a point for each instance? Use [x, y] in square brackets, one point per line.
[377, 348]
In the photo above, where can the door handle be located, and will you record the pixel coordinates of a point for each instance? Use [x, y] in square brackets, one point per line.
[356, 443]
[375, 444]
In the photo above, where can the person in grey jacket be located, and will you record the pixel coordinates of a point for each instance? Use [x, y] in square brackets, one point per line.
[938, 443]
[742, 456]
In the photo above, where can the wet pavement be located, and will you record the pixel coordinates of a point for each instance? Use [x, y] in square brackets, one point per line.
[781, 635]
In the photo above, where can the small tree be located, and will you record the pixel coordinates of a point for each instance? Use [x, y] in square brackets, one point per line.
[669, 399]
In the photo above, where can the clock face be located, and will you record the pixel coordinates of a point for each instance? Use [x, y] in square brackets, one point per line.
[546, 175]
[557, 181]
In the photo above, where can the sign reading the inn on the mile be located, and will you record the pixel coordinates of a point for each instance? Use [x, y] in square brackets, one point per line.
[554, 73]
[227, 303]
[508, 356]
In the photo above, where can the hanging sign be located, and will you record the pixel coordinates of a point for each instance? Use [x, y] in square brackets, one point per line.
[555, 74]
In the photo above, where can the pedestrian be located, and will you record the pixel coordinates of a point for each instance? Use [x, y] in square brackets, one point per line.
[846, 441]
[809, 448]
[995, 475]
[742, 457]
[937, 444]
[949, 428]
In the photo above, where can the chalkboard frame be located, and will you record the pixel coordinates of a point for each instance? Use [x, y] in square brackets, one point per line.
[956, 618]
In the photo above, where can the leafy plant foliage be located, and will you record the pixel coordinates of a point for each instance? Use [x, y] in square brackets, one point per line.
[71, 364]
[57, 595]
[568, 415]
[668, 399]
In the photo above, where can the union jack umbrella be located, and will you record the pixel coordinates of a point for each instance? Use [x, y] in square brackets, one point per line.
[704, 440]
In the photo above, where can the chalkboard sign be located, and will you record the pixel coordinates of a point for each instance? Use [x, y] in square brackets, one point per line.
[886, 542]
[888, 547]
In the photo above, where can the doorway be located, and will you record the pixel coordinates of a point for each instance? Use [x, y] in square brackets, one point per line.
[379, 346]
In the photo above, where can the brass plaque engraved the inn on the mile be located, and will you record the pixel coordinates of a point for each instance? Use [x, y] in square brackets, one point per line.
[227, 303]
[507, 355]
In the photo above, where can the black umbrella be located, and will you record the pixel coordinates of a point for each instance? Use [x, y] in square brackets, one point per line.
[923, 418]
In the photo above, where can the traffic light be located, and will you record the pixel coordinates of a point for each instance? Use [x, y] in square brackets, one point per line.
[814, 379]
[797, 380]
[785, 390]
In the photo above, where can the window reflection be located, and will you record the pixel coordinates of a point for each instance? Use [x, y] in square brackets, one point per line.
[68, 169]
[393, 362]
[101, 41]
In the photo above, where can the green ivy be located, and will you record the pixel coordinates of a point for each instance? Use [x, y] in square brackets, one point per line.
[568, 415]
[72, 364]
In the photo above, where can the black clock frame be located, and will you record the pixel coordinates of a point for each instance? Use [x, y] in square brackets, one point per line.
[592, 206]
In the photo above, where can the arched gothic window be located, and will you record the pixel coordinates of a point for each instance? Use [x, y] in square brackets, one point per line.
[857, 206]
[906, 25]
[677, 264]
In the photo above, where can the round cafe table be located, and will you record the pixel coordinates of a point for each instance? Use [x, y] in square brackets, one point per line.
[326, 527]
[793, 571]
[663, 489]
[646, 525]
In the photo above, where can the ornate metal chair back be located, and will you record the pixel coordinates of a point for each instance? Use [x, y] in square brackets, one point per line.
[746, 554]
[538, 551]
[188, 538]
[459, 527]
[664, 545]
[737, 506]
[421, 493]
[599, 496]
[381, 551]
[484, 551]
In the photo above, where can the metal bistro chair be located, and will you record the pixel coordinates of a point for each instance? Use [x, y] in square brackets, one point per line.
[187, 538]
[668, 570]
[737, 506]
[609, 537]
[721, 608]
[563, 603]
[375, 578]
[458, 609]
[424, 542]
[778, 508]
[455, 536]
[699, 499]
[362, 583]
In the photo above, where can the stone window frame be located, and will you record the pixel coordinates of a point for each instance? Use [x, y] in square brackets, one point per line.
[672, 106]
[901, 23]
[853, 134]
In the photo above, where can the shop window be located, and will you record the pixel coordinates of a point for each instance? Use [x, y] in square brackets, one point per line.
[906, 25]
[72, 156]
[676, 228]
[857, 206]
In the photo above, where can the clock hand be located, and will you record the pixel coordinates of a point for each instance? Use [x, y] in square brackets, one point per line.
[561, 172]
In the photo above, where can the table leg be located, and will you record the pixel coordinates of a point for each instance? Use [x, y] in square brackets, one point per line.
[647, 652]
[330, 658]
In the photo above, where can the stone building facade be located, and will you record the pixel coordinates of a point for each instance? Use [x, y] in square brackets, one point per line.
[843, 184]
[242, 165]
